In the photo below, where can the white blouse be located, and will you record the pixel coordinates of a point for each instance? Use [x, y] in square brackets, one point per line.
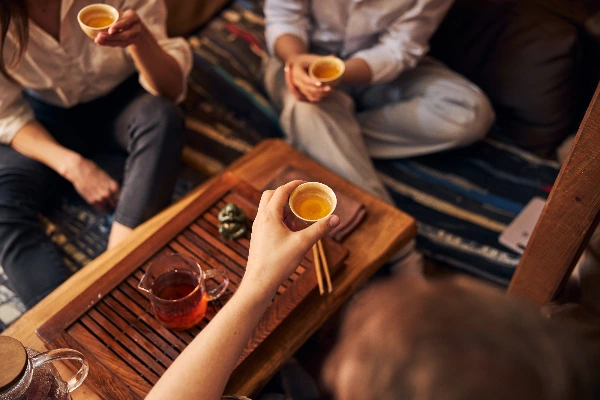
[389, 35]
[75, 70]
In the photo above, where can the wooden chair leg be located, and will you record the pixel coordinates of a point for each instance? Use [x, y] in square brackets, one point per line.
[569, 218]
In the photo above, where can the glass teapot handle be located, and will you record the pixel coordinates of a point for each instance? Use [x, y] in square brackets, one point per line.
[65, 354]
[215, 293]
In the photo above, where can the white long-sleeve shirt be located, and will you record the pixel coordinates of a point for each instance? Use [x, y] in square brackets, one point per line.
[389, 35]
[75, 70]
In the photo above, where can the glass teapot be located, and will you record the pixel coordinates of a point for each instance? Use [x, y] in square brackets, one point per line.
[27, 374]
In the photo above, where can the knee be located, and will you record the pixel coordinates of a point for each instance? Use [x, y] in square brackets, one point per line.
[160, 123]
[484, 117]
[300, 120]
[15, 219]
[293, 117]
[23, 194]
[294, 108]
[17, 208]
[472, 122]
[303, 121]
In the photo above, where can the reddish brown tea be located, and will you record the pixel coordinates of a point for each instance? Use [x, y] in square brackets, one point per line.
[180, 302]
[175, 287]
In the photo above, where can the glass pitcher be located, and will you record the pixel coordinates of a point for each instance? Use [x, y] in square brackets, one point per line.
[177, 289]
[27, 374]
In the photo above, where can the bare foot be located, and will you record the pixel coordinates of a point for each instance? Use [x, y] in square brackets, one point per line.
[118, 233]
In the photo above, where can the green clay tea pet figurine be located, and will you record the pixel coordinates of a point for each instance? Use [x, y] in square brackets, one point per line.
[232, 222]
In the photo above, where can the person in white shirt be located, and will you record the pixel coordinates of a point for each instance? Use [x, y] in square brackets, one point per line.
[393, 102]
[64, 99]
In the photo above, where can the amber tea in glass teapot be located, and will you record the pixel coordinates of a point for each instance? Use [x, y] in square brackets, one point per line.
[27, 374]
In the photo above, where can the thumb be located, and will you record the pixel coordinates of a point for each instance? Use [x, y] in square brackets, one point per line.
[320, 228]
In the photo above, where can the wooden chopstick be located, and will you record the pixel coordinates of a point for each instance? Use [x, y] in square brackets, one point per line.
[318, 269]
[325, 265]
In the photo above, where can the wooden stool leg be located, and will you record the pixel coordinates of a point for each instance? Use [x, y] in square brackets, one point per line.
[568, 219]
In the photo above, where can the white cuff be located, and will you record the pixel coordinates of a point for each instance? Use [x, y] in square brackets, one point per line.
[179, 49]
[275, 31]
[19, 116]
[385, 67]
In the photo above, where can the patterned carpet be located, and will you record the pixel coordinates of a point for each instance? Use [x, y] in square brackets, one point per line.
[11, 307]
[462, 199]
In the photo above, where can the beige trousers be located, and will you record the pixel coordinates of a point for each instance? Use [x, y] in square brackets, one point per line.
[425, 110]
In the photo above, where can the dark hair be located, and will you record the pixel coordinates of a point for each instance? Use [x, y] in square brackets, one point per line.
[15, 12]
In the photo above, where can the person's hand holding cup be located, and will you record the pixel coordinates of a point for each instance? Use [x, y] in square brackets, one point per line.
[300, 83]
[97, 18]
[311, 202]
[275, 250]
[328, 70]
[107, 27]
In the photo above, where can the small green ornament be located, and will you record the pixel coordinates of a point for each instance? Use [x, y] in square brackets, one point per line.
[232, 222]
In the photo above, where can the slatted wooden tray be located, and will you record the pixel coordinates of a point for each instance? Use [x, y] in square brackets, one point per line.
[111, 323]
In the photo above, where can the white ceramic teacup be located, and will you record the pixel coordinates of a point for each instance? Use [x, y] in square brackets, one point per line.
[312, 189]
[87, 15]
[330, 63]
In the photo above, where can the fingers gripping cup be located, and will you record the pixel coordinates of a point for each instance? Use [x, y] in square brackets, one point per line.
[328, 70]
[97, 18]
[312, 201]
[178, 289]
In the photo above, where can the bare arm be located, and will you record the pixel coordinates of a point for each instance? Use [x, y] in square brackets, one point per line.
[287, 25]
[20, 130]
[288, 46]
[357, 72]
[202, 370]
[160, 70]
[34, 141]
[91, 182]
[292, 50]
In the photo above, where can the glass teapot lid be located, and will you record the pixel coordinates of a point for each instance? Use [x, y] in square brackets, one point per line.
[14, 362]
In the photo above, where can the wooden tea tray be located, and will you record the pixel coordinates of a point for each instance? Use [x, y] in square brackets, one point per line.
[127, 348]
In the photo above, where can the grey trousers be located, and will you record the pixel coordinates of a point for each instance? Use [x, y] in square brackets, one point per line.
[425, 110]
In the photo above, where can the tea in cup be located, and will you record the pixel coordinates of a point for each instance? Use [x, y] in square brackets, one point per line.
[312, 201]
[176, 285]
[327, 70]
[97, 18]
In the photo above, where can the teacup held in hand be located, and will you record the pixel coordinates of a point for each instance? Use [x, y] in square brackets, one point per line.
[328, 70]
[312, 201]
[97, 18]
